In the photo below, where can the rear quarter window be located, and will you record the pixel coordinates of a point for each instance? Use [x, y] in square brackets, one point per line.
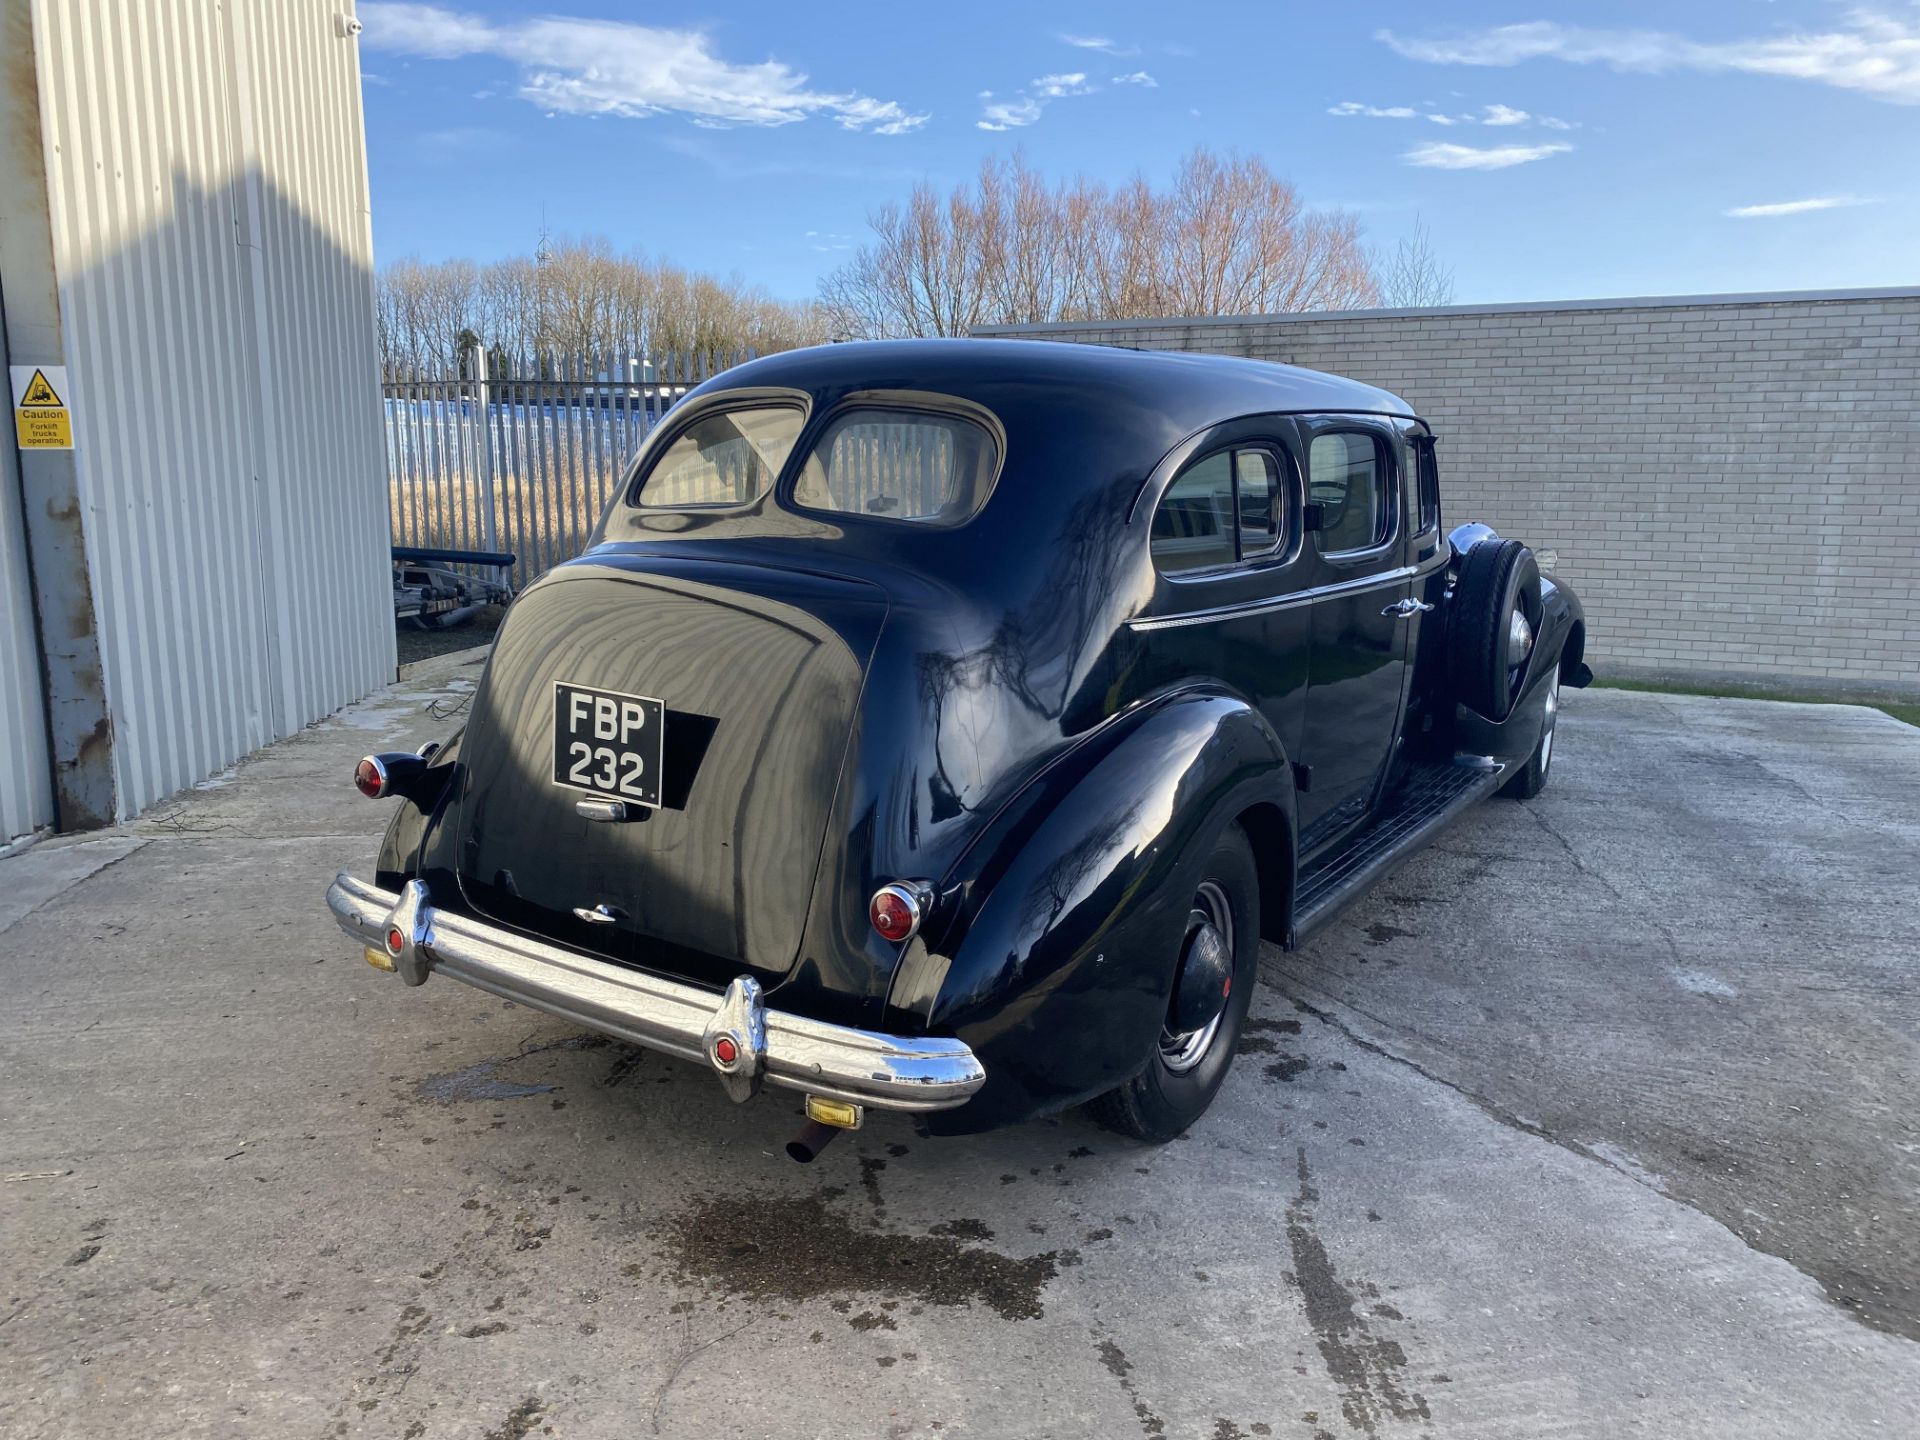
[1348, 478]
[899, 465]
[730, 457]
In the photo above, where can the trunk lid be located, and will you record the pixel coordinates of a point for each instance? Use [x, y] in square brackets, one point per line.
[759, 670]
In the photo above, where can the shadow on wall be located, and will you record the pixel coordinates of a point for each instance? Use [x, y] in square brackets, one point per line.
[228, 449]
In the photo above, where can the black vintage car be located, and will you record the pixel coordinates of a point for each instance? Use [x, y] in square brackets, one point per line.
[941, 726]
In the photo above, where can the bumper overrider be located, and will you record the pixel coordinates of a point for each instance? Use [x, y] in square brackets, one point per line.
[735, 1033]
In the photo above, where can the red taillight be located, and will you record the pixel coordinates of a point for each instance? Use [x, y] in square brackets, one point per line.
[725, 1051]
[396, 942]
[894, 912]
[370, 778]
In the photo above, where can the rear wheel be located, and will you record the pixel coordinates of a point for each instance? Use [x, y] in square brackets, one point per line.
[1218, 960]
[1532, 779]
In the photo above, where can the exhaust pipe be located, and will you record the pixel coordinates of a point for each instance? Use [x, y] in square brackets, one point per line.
[814, 1137]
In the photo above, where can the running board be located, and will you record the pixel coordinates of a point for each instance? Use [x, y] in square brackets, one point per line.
[1433, 797]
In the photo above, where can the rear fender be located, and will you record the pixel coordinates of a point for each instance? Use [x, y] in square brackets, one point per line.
[1058, 965]
[401, 857]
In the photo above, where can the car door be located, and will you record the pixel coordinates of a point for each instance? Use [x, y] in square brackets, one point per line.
[1357, 658]
[1227, 546]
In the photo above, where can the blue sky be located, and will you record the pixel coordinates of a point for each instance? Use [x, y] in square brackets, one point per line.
[1579, 149]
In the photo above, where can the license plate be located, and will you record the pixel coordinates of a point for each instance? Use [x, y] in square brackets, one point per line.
[607, 743]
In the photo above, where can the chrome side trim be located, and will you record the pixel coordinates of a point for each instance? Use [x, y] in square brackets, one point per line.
[863, 1067]
[1288, 602]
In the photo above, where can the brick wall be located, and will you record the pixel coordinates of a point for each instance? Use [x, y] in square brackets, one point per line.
[1732, 482]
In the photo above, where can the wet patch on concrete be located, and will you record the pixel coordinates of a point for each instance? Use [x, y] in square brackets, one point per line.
[1366, 1366]
[1381, 933]
[482, 1081]
[964, 1228]
[624, 1064]
[1121, 1368]
[520, 1421]
[1286, 1067]
[798, 1248]
[1271, 1027]
[870, 1168]
[1256, 1036]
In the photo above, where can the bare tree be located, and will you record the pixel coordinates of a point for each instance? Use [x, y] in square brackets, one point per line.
[576, 298]
[1227, 236]
[1414, 275]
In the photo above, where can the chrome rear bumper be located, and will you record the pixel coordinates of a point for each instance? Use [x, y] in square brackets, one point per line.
[735, 1034]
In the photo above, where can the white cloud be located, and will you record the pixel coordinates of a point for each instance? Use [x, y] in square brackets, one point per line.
[1495, 115]
[1053, 87]
[1872, 51]
[1375, 112]
[1796, 207]
[1025, 107]
[1440, 155]
[1100, 43]
[1007, 114]
[1138, 77]
[609, 67]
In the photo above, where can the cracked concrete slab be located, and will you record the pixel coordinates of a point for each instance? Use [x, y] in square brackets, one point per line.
[251, 1187]
[48, 870]
[1707, 965]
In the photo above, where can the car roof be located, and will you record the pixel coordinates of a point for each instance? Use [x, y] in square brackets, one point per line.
[1186, 391]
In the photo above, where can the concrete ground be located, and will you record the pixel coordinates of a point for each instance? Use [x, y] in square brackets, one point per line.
[1595, 1120]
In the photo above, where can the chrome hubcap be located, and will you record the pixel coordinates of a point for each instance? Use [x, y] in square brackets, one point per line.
[1181, 1052]
[1553, 712]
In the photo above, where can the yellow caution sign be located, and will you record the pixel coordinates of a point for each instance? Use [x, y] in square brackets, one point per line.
[41, 419]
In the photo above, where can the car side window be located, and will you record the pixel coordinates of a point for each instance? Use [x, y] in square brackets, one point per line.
[1428, 469]
[1263, 519]
[1347, 477]
[1229, 506]
[1194, 527]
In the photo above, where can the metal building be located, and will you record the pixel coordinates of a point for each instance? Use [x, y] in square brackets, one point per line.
[185, 244]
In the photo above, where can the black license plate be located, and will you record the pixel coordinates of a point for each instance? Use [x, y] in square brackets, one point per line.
[606, 743]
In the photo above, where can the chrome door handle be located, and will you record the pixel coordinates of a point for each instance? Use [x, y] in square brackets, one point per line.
[1406, 609]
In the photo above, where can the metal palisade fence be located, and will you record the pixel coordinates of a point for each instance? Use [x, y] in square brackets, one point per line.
[520, 454]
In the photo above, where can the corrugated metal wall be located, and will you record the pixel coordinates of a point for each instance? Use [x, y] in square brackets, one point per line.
[207, 171]
[26, 793]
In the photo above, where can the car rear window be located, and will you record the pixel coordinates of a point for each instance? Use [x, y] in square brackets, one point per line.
[899, 465]
[730, 457]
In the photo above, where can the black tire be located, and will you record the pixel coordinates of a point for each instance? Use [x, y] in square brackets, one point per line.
[1497, 577]
[1162, 1101]
[1532, 778]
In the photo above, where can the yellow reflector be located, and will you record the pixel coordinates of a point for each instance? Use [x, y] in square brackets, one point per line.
[837, 1113]
[379, 959]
